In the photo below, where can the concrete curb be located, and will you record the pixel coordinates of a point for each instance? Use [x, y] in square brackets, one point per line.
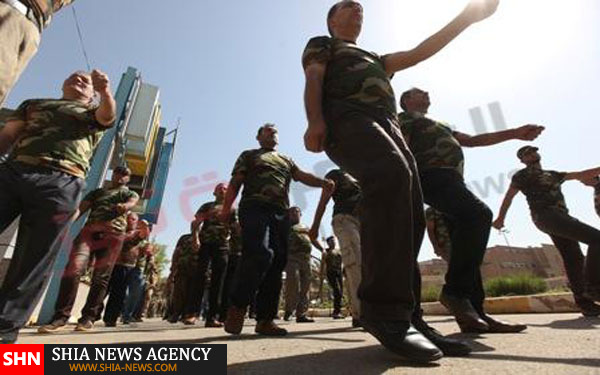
[539, 303]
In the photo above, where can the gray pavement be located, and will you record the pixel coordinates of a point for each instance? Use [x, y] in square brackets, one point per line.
[553, 344]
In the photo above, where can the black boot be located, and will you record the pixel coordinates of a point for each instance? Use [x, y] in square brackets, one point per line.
[450, 347]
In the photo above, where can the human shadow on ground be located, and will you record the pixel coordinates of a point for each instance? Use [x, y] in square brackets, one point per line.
[369, 360]
[582, 323]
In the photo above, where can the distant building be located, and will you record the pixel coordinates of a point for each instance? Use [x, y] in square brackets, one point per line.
[543, 261]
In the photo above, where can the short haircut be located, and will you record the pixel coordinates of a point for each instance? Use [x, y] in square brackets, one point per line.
[405, 95]
[330, 238]
[267, 125]
[332, 12]
[122, 170]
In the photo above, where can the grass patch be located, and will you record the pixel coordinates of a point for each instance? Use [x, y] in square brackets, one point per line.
[515, 285]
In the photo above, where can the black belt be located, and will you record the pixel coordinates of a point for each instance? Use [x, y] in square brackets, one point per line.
[25, 10]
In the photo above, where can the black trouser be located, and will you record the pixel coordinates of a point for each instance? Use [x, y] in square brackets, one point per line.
[392, 219]
[230, 276]
[265, 231]
[478, 295]
[215, 256]
[46, 201]
[334, 279]
[185, 291]
[471, 219]
[566, 233]
[117, 289]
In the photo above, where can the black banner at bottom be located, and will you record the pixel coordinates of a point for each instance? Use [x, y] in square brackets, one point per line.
[131, 358]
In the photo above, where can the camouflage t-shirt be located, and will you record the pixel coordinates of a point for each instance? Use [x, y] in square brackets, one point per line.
[184, 252]
[58, 134]
[130, 251]
[143, 257]
[299, 245]
[235, 243]
[44, 9]
[267, 176]
[347, 194]
[213, 231]
[441, 233]
[432, 143]
[355, 80]
[541, 188]
[103, 206]
[333, 261]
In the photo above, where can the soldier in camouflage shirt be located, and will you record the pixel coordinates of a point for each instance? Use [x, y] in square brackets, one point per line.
[298, 270]
[332, 259]
[125, 275]
[266, 175]
[439, 233]
[21, 23]
[43, 181]
[346, 227]
[184, 271]
[549, 212]
[352, 115]
[214, 237]
[440, 161]
[102, 237]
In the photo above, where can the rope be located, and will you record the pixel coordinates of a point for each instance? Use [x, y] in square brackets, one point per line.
[85, 55]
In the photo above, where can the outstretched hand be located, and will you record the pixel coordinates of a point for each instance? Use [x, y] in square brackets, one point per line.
[529, 132]
[478, 10]
[498, 223]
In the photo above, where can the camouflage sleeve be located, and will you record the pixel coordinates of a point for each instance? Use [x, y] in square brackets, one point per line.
[333, 175]
[517, 181]
[318, 50]
[92, 195]
[293, 166]
[130, 195]
[241, 164]
[559, 176]
[202, 209]
[20, 113]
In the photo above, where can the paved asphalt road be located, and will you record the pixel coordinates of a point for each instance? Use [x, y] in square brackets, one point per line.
[553, 344]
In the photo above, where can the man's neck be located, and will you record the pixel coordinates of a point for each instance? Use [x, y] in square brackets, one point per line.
[81, 100]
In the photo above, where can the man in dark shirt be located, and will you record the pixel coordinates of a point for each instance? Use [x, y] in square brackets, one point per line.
[351, 110]
[332, 260]
[346, 226]
[298, 269]
[266, 175]
[440, 160]
[549, 212]
[213, 237]
[102, 237]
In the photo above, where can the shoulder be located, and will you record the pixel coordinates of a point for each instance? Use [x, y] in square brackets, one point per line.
[319, 42]
[317, 50]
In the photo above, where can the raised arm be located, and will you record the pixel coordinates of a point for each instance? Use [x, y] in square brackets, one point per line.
[310, 179]
[316, 224]
[508, 198]
[526, 133]
[476, 11]
[232, 192]
[107, 110]
[314, 138]
[583, 175]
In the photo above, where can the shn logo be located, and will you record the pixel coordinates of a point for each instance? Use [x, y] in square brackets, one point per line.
[21, 359]
[496, 115]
